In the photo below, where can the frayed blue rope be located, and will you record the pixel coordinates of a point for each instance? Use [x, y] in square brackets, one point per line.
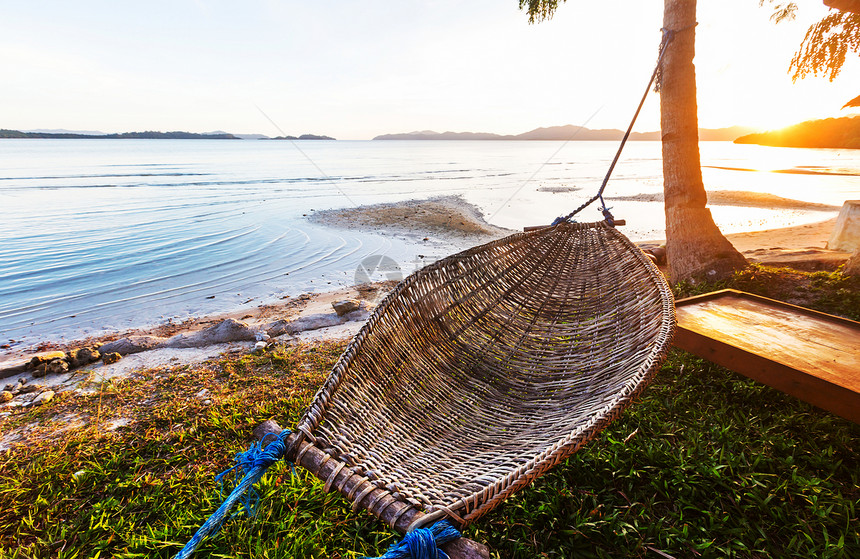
[250, 467]
[423, 543]
[254, 457]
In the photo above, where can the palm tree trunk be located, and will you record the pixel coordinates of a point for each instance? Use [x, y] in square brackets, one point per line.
[695, 247]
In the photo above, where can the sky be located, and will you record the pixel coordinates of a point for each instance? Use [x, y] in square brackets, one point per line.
[354, 70]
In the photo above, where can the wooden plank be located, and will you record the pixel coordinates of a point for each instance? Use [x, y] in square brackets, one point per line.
[810, 355]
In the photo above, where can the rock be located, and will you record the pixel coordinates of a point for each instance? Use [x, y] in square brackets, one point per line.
[6, 396]
[130, 344]
[40, 370]
[346, 306]
[203, 394]
[229, 330]
[314, 322]
[14, 369]
[259, 347]
[657, 253]
[56, 366]
[9, 387]
[43, 398]
[30, 388]
[852, 267]
[82, 356]
[268, 427]
[45, 357]
[277, 328]
[109, 358]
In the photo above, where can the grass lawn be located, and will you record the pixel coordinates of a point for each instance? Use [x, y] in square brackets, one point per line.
[706, 464]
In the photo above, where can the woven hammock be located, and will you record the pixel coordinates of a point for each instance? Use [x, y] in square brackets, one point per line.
[482, 371]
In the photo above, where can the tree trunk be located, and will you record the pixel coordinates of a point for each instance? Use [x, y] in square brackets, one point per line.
[695, 248]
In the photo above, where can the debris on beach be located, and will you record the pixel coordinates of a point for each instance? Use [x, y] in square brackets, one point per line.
[132, 344]
[110, 358]
[229, 330]
[346, 306]
[558, 189]
[43, 398]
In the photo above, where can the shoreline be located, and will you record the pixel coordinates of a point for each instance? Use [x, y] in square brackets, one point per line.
[450, 218]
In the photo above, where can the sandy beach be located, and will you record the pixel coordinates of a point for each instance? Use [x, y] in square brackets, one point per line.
[311, 317]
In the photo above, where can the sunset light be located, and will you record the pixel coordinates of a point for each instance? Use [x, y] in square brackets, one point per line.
[357, 70]
[483, 279]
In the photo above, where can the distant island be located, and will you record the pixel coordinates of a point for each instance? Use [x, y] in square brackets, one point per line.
[149, 135]
[841, 133]
[567, 132]
[302, 137]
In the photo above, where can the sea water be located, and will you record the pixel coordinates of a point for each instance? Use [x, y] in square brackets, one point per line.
[103, 235]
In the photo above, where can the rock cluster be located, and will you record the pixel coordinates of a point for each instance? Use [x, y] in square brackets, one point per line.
[226, 331]
[56, 362]
[25, 394]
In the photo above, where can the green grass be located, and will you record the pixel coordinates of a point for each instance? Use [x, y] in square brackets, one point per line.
[706, 464]
[828, 292]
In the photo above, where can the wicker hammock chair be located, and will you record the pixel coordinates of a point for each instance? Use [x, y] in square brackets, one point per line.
[480, 372]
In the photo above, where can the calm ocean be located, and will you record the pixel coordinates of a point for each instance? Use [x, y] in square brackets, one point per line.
[110, 234]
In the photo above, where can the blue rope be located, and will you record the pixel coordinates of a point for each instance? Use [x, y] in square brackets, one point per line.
[423, 543]
[250, 467]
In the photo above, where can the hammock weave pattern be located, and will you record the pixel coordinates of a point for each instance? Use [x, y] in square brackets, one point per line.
[482, 371]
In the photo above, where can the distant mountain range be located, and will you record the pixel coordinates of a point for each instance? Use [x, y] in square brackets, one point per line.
[60, 133]
[567, 132]
[564, 133]
[827, 133]
[125, 135]
[302, 137]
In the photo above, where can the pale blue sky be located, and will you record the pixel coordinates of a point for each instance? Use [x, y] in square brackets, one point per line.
[357, 69]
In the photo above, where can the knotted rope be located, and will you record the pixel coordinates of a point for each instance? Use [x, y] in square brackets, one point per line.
[250, 467]
[423, 543]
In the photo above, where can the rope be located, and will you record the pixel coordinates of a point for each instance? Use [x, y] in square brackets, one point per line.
[423, 543]
[668, 35]
[250, 467]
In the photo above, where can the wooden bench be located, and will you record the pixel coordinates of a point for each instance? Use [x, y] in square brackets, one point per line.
[807, 354]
